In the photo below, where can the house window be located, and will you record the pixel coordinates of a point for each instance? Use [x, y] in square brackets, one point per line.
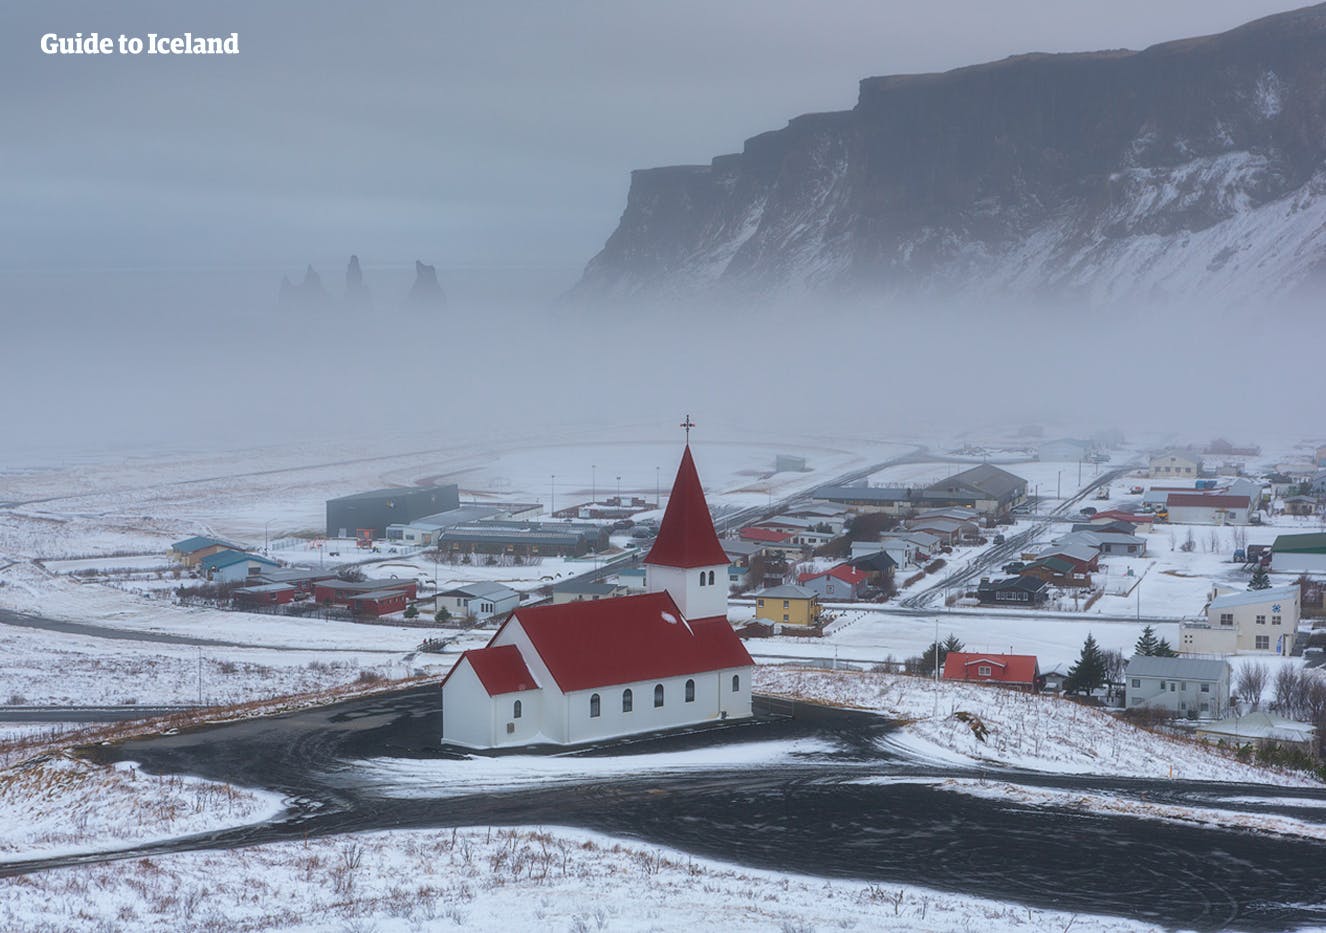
[1172, 686]
[983, 670]
[1275, 620]
[1137, 681]
[690, 691]
[594, 706]
[785, 618]
[1226, 618]
[1206, 688]
[658, 695]
[628, 700]
[736, 682]
[515, 710]
[1132, 549]
[786, 604]
[759, 603]
[1261, 620]
[1263, 642]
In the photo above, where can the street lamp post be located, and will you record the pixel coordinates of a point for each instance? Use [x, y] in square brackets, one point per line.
[657, 488]
[619, 490]
[266, 537]
[552, 495]
[593, 483]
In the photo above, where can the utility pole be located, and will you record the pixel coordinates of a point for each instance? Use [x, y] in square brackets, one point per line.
[657, 488]
[552, 495]
[1059, 486]
[593, 483]
[200, 675]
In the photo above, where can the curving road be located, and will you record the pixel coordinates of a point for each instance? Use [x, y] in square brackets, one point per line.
[812, 815]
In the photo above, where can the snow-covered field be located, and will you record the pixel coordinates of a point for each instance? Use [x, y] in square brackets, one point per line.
[510, 879]
[1040, 733]
[61, 804]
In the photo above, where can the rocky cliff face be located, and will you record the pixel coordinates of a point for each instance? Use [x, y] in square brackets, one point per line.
[1195, 167]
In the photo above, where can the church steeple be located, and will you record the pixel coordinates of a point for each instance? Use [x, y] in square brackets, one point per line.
[687, 559]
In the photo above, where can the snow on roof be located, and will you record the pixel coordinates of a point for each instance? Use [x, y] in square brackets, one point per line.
[1255, 597]
[605, 642]
[1177, 668]
[482, 590]
[198, 542]
[686, 535]
[228, 558]
[500, 668]
[787, 591]
[1261, 725]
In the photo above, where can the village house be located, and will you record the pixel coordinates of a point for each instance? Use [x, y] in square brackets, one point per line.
[1260, 728]
[234, 566]
[341, 592]
[263, 595]
[843, 583]
[191, 551]
[1209, 509]
[1012, 591]
[1245, 622]
[1305, 553]
[1020, 671]
[788, 605]
[1177, 462]
[594, 670]
[1189, 687]
[1064, 450]
[480, 600]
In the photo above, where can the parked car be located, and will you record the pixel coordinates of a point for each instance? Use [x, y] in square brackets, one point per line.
[622, 524]
[1088, 511]
[998, 539]
[1014, 566]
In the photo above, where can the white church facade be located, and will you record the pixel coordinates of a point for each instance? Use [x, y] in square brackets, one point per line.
[591, 670]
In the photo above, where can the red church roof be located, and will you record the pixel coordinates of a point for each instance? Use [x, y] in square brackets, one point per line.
[604, 642]
[686, 536]
[1004, 668]
[500, 669]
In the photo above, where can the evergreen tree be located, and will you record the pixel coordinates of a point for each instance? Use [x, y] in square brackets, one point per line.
[411, 611]
[1261, 580]
[1088, 673]
[442, 615]
[1146, 643]
[929, 664]
[1164, 650]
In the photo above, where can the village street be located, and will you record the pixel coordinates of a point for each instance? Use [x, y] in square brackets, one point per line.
[839, 802]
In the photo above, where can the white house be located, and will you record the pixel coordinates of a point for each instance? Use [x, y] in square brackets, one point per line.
[1196, 688]
[1063, 450]
[481, 600]
[1177, 463]
[1245, 622]
[590, 670]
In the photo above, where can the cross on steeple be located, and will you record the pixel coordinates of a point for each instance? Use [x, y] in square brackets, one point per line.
[688, 424]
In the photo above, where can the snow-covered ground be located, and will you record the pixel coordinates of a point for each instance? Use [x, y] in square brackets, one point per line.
[1030, 731]
[509, 879]
[61, 804]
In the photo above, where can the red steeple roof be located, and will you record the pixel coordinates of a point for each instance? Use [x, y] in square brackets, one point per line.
[686, 537]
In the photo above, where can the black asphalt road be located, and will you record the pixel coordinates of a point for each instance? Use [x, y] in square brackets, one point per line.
[812, 816]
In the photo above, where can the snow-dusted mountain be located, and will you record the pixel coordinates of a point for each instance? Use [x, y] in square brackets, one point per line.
[1193, 168]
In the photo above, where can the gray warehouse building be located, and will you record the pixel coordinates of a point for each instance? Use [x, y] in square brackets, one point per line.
[383, 507]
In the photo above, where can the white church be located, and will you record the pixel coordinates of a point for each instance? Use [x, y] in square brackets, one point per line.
[583, 671]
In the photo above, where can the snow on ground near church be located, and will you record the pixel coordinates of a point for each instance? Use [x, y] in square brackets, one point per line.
[1040, 733]
[400, 777]
[60, 804]
[508, 879]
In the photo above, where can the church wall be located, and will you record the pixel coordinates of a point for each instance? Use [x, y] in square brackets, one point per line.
[467, 710]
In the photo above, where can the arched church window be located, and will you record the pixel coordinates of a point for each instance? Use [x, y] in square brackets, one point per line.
[628, 700]
[594, 706]
[690, 691]
[658, 695]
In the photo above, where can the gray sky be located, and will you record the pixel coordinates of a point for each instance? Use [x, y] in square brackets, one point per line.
[464, 133]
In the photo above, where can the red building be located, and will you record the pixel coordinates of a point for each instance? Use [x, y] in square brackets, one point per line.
[378, 603]
[341, 592]
[268, 594]
[1004, 670]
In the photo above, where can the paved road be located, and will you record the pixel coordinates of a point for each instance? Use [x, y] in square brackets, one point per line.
[55, 714]
[818, 814]
[27, 620]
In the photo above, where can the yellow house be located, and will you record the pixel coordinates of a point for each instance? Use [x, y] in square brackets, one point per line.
[788, 605]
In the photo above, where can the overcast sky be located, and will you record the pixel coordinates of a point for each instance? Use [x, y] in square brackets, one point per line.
[464, 133]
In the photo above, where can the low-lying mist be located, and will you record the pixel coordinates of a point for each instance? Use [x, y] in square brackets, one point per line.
[130, 360]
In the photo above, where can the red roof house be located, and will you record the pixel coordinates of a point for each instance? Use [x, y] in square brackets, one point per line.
[1005, 670]
[765, 535]
[843, 582]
